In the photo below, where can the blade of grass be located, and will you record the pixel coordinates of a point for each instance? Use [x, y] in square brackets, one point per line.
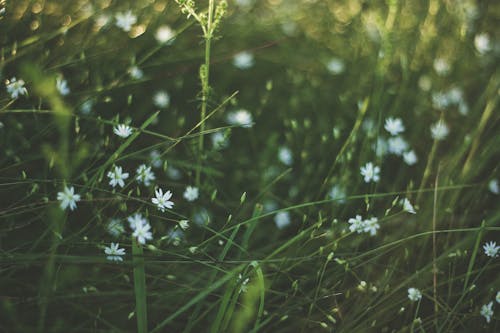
[139, 287]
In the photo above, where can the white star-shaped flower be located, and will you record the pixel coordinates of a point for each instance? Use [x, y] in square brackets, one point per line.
[125, 21]
[117, 177]
[68, 198]
[394, 126]
[15, 88]
[144, 174]
[142, 233]
[487, 311]
[122, 130]
[191, 193]
[414, 294]
[114, 253]
[491, 249]
[370, 172]
[439, 130]
[162, 200]
[357, 224]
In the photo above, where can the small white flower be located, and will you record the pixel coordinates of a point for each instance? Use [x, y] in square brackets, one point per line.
[142, 233]
[115, 228]
[117, 176]
[191, 193]
[136, 73]
[122, 131]
[370, 172]
[173, 173]
[114, 253]
[381, 147]
[410, 157]
[335, 66]
[282, 219]
[125, 21]
[244, 284]
[487, 311]
[243, 60]
[357, 224]
[371, 226]
[201, 217]
[162, 200]
[161, 99]
[174, 237]
[156, 160]
[68, 198]
[397, 145]
[16, 87]
[62, 86]
[394, 126]
[414, 294]
[164, 34]
[219, 140]
[144, 174]
[491, 249]
[497, 298]
[184, 224]
[285, 156]
[87, 106]
[241, 118]
[482, 43]
[337, 193]
[493, 186]
[407, 206]
[441, 66]
[135, 220]
[439, 130]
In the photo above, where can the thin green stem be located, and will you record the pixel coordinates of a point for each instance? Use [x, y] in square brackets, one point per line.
[139, 287]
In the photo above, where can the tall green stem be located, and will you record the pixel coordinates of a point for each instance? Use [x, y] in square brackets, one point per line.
[139, 287]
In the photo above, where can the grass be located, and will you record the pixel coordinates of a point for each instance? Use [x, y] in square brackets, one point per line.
[273, 108]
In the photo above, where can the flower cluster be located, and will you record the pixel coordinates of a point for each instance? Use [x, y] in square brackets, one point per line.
[357, 224]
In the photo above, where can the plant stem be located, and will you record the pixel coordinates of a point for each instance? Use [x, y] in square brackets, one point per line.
[139, 287]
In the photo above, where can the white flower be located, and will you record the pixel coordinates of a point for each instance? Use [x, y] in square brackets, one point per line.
[115, 227]
[201, 217]
[243, 60]
[282, 219]
[410, 157]
[394, 126]
[122, 131]
[156, 160]
[491, 249]
[407, 206]
[482, 43]
[487, 311]
[184, 224]
[441, 66]
[68, 198]
[397, 145]
[337, 193]
[142, 233]
[62, 86]
[381, 147]
[335, 66]
[136, 73]
[162, 200]
[357, 224]
[114, 253]
[219, 140]
[117, 176]
[174, 237]
[371, 226]
[164, 34]
[191, 193]
[161, 99]
[370, 172]
[240, 117]
[125, 20]
[493, 186]
[414, 294]
[16, 87]
[439, 130]
[144, 174]
[135, 220]
[86, 106]
[285, 156]
[173, 173]
[497, 298]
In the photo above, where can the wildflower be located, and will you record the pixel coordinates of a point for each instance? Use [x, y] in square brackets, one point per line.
[122, 131]
[441, 66]
[173, 173]
[371, 226]
[191, 193]
[135, 72]
[219, 140]
[370, 172]
[337, 193]
[135, 220]
[142, 233]
[86, 106]
[201, 217]
[68, 198]
[184, 224]
[414, 294]
[162, 200]
[335, 66]
[285, 156]
[497, 298]
[144, 174]
[397, 145]
[117, 176]
[487, 311]
[491, 249]
[175, 237]
[241, 118]
[243, 60]
[62, 86]
[114, 253]
[381, 147]
[16, 87]
[115, 227]
[394, 126]
[482, 43]
[125, 20]
[161, 99]
[164, 34]
[439, 130]
[410, 157]
[282, 219]
[407, 206]
[156, 160]
[493, 186]
[357, 224]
